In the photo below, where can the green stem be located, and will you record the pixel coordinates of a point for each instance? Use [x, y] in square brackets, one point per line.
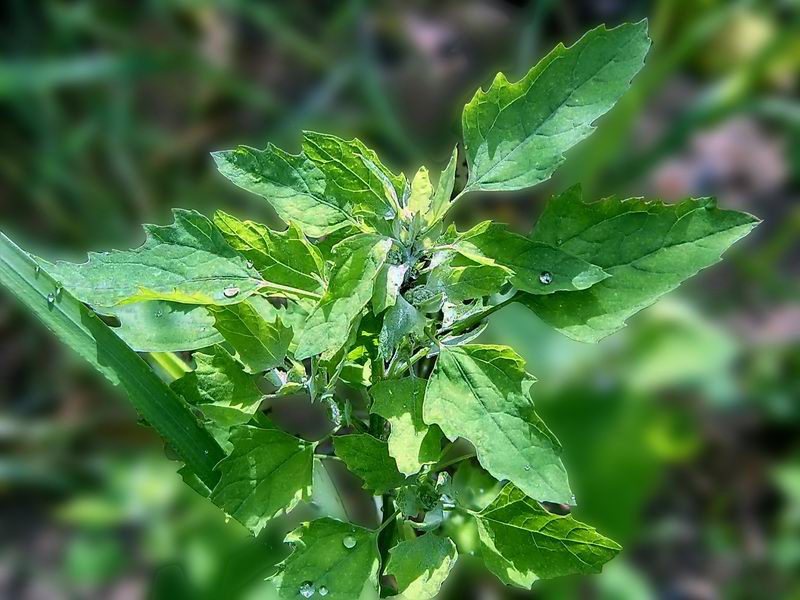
[289, 290]
[470, 322]
[442, 466]
[387, 521]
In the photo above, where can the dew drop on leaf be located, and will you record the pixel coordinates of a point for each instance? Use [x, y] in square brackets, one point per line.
[306, 589]
[349, 542]
[37, 269]
[545, 278]
[527, 467]
[51, 299]
[249, 264]
[323, 591]
[59, 291]
[230, 292]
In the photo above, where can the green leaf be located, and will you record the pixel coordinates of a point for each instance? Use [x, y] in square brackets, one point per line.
[462, 279]
[533, 266]
[419, 202]
[357, 262]
[187, 262]
[292, 184]
[368, 457]
[158, 326]
[648, 248]
[259, 344]
[421, 565]
[285, 259]
[440, 201]
[480, 393]
[522, 542]
[80, 329]
[411, 442]
[400, 321]
[339, 557]
[267, 473]
[515, 134]
[325, 497]
[221, 388]
[387, 286]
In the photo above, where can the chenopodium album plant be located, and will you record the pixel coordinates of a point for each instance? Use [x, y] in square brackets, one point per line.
[369, 304]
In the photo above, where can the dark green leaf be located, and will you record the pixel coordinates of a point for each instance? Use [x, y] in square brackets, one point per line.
[369, 458]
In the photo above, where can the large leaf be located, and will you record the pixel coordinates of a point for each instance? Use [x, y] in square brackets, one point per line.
[286, 259]
[331, 559]
[533, 266]
[259, 344]
[86, 334]
[188, 262]
[368, 457]
[292, 184]
[522, 542]
[480, 393]
[515, 134]
[267, 473]
[412, 443]
[357, 262]
[421, 565]
[648, 248]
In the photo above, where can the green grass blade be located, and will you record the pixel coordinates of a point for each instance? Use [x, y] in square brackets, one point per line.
[84, 332]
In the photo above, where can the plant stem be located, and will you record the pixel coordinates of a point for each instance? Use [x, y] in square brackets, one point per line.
[442, 466]
[478, 317]
[387, 521]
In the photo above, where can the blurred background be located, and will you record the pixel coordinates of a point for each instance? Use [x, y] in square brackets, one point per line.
[681, 433]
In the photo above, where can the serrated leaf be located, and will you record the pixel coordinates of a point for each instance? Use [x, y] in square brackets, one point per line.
[533, 266]
[220, 388]
[515, 134]
[400, 321]
[158, 326]
[522, 542]
[187, 262]
[648, 248]
[285, 259]
[357, 262]
[411, 442]
[420, 566]
[419, 202]
[291, 183]
[440, 201]
[322, 559]
[267, 473]
[369, 459]
[259, 344]
[480, 393]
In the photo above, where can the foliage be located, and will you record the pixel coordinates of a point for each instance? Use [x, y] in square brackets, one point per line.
[368, 304]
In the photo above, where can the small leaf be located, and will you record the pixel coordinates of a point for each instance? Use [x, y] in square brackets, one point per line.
[465, 280]
[480, 393]
[440, 201]
[368, 457]
[419, 202]
[400, 321]
[259, 344]
[338, 557]
[187, 262]
[421, 565]
[515, 134]
[358, 260]
[411, 442]
[267, 473]
[522, 542]
[648, 248]
[387, 286]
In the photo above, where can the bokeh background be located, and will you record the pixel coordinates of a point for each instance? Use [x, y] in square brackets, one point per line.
[681, 433]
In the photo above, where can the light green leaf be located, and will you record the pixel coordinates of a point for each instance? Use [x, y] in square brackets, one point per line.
[368, 457]
[411, 442]
[267, 473]
[421, 565]
[648, 248]
[400, 321]
[480, 393]
[285, 259]
[221, 388]
[158, 326]
[187, 262]
[259, 344]
[440, 201]
[325, 497]
[464, 279]
[533, 266]
[338, 557]
[522, 542]
[80, 329]
[515, 134]
[387, 286]
[357, 262]
[292, 184]
[419, 202]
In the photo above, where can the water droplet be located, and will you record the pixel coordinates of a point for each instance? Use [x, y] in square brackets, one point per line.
[159, 313]
[230, 292]
[545, 278]
[51, 299]
[205, 451]
[323, 591]
[37, 270]
[307, 589]
[349, 542]
[249, 264]
[527, 467]
[573, 500]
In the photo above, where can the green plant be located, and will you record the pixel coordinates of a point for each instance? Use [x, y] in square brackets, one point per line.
[369, 305]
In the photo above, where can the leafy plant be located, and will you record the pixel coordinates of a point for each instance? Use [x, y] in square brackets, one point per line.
[369, 305]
